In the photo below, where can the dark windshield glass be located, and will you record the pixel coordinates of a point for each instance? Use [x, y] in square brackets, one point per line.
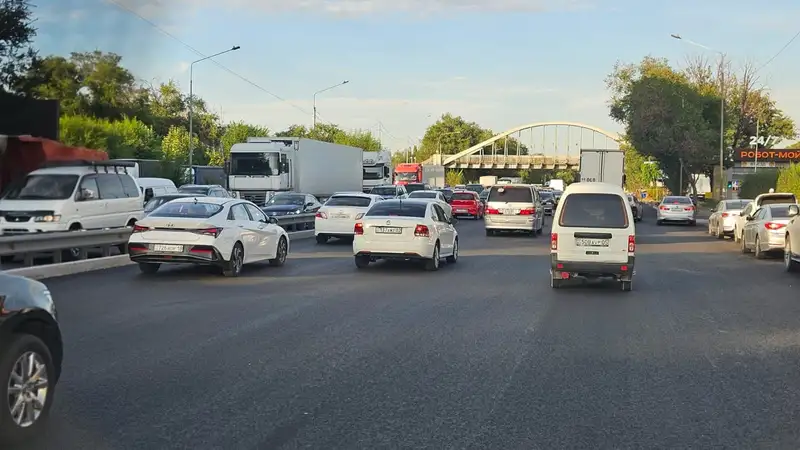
[411, 187]
[156, 202]
[546, 195]
[423, 195]
[405, 176]
[594, 211]
[510, 194]
[403, 209]
[254, 163]
[193, 189]
[43, 187]
[463, 196]
[193, 210]
[348, 200]
[736, 204]
[476, 188]
[286, 200]
[384, 190]
[779, 212]
[677, 201]
[777, 199]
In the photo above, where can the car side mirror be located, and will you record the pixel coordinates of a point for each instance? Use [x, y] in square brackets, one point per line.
[794, 210]
[272, 220]
[713, 210]
[749, 218]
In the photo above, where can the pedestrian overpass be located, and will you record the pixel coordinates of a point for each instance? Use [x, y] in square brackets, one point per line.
[539, 145]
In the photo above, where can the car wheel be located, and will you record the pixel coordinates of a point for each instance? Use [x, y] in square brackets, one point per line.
[626, 286]
[789, 264]
[26, 371]
[149, 268]
[744, 248]
[736, 237]
[659, 222]
[692, 223]
[233, 268]
[489, 232]
[432, 264]
[720, 233]
[362, 261]
[322, 239]
[555, 283]
[280, 253]
[452, 259]
[757, 250]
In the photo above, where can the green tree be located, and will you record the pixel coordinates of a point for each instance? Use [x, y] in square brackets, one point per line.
[127, 138]
[16, 50]
[362, 139]
[237, 132]
[450, 134]
[175, 147]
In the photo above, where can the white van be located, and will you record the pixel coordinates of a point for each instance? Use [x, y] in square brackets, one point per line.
[156, 187]
[72, 196]
[593, 235]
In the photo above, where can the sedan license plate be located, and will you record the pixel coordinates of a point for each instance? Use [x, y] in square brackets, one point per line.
[677, 208]
[509, 211]
[340, 216]
[461, 210]
[388, 230]
[591, 242]
[168, 248]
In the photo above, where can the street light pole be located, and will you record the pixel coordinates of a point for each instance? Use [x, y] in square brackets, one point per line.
[321, 91]
[191, 97]
[722, 106]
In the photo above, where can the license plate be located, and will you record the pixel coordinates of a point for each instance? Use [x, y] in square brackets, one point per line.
[591, 242]
[388, 230]
[677, 208]
[340, 216]
[509, 211]
[461, 210]
[168, 248]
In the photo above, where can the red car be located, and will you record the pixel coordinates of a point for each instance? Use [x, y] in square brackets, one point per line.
[467, 203]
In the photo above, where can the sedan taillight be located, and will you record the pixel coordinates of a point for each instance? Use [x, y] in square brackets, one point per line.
[214, 232]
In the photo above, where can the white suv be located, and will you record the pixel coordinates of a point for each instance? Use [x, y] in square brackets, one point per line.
[593, 235]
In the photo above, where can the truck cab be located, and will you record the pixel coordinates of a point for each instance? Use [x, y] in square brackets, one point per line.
[377, 169]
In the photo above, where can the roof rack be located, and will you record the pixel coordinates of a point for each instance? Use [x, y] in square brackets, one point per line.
[115, 166]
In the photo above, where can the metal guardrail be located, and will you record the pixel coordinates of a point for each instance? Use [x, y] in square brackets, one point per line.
[79, 243]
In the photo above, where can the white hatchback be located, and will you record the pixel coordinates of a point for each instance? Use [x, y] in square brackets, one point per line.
[593, 235]
[405, 230]
[339, 214]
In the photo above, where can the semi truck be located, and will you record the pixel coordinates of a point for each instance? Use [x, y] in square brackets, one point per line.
[406, 173]
[605, 166]
[377, 169]
[263, 166]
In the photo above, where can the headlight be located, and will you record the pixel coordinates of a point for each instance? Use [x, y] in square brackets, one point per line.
[48, 218]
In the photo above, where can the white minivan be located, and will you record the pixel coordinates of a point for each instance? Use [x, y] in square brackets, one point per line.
[156, 187]
[593, 235]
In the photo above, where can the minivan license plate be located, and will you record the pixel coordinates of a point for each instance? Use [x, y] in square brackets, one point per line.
[591, 242]
[168, 248]
[388, 230]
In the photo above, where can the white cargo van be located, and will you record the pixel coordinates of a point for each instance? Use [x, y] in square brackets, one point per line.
[593, 235]
[155, 187]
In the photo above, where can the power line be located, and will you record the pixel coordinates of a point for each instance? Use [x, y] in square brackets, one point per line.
[780, 51]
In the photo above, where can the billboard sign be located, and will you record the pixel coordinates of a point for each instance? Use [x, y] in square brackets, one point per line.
[767, 155]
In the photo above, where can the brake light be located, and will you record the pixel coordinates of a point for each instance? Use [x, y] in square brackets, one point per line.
[631, 243]
[214, 232]
[422, 231]
[663, 208]
[725, 215]
[689, 208]
[774, 226]
[139, 229]
[321, 215]
[527, 212]
[553, 241]
[358, 229]
[492, 211]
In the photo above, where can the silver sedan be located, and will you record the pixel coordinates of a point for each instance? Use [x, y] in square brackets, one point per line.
[765, 230]
[679, 209]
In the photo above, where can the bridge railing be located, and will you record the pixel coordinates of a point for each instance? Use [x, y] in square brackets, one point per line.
[523, 160]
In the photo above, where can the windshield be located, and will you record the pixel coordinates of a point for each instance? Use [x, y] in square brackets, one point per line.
[254, 163]
[397, 209]
[156, 202]
[780, 212]
[190, 210]
[415, 187]
[476, 188]
[373, 172]
[736, 204]
[546, 195]
[287, 200]
[43, 187]
[510, 194]
[405, 176]
[384, 190]
[348, 200]
[193, 189]
[423, 195]
[776, 199]
[677, 200]
[464, 196]
[594, 211]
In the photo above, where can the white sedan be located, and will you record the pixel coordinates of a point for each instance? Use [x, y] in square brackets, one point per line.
[216, 231]
[338, 215]
[405, 230]
[435, 196]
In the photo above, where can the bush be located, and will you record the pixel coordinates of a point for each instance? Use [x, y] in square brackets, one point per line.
[127, 138]
[789, 180]
[758, 183]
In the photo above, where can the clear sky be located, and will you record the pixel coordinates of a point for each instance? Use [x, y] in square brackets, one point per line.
[501, 63]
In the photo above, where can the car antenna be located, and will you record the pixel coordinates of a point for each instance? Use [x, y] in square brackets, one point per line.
[195, 200]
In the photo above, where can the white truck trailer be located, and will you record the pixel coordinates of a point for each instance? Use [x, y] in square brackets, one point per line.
[488, 180]
[605, 166]
[263, 166]
[377, 169]
[433, 175]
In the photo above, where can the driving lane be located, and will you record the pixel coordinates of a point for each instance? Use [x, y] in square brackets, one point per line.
[482, 354]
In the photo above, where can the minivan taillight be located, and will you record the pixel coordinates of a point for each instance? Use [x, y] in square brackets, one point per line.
[358, 229]
[422, 231]
[631, 244]
[554, 241]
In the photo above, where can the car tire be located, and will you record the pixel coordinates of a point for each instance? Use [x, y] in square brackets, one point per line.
[626, 286]
[233, 267]
[555, 283]
[743, 247]
[720, 233]
[789, 264]
[362, 262]
[452, 259]
[432, 264]
[281, 253]
[149, 268]
[759, 254]
[489, 232]
[17, 347]
[659, 222]
[692, 223]
[322, 239]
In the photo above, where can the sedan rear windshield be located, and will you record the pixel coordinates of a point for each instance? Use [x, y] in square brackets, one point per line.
[192, 210]
[389, 190]
[464, 196]
[510, 194]
[349, 200]
[411, 187]
[423, 195]
[677, 200]
[402, 209]
[736, 204]
[778, 199]
[780, 212]
[594, 211]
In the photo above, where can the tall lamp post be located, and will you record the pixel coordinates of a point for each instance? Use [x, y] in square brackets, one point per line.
[191, 97]
[721, 107]
[321, 91]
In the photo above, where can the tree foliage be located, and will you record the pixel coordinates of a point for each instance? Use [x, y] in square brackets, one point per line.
[16, 36]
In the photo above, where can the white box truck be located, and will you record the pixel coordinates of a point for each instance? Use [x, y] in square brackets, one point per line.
[489, 180]
[433, 175]
[377, 169]
[263, 166]
[605, 166]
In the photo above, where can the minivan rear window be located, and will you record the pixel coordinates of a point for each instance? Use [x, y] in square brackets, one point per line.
[511, 194]
[594, 211]
[402, 209]
[778, 199]
[348, 200]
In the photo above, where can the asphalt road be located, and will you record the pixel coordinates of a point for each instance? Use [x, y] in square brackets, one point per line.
[482, 354]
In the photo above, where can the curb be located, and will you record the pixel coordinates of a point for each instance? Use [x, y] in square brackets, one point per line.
[109, 262]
